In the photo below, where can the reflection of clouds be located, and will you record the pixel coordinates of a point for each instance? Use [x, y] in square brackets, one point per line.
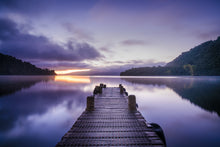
[157, 97]
[75, 85]
[88, 88]
[176, 115]
[58, 116]
[148, 88]
[49, 108]
[169, 107]
[201, 91]
[45, 109]
[208, 117]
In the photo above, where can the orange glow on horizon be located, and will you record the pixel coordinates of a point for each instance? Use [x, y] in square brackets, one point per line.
[68, 71]
[72, 79]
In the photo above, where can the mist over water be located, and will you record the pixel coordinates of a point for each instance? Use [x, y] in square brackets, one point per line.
[39, 110]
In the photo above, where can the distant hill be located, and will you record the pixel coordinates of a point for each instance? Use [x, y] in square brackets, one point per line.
[11, 66]
[203, 59]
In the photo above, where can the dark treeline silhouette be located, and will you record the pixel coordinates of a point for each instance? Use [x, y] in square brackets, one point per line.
[203, 92]
[200, 60]
[12, 66]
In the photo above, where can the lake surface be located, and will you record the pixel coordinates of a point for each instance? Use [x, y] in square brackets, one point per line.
[37, 111]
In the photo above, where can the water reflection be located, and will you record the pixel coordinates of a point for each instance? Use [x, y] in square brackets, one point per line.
[201, 91]
[11, 84]
[179, 105]
[37, 115]
[39, 110]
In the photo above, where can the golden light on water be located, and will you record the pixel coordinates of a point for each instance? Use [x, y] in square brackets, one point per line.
[72, 79]
[68, 71]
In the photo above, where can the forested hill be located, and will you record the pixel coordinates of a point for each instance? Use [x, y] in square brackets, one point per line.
[203, 59]
[12, 66]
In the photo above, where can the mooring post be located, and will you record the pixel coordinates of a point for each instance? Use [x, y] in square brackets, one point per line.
[132, 102]
[121, 88]
[98, 89]
[90, 103]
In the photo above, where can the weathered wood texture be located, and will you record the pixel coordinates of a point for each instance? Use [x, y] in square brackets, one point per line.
[108, 121]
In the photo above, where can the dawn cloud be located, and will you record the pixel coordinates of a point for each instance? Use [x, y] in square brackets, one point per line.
[77, 32]
[207, 34]
[26, 46]
[104, 30]
[60, 65]
[133, 42]
[116, 67]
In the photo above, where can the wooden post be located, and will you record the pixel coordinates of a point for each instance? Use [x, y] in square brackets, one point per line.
[121, 89]
[100, 89]
[97, 90]
[90, 103]
[132, 103]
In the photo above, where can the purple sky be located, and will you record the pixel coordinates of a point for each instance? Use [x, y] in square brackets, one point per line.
[101, 34]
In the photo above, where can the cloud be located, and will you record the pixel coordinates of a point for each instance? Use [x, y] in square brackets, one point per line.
[116, 67]
[77, 32]
[26, 46]
[23, 6]
[59, 65]
[133, 42]
[207, 34]
[136, 63]
[43, 7]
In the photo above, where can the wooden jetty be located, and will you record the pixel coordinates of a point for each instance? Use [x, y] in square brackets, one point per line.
[111, 119]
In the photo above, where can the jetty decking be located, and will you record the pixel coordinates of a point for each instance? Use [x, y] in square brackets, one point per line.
[111, 119]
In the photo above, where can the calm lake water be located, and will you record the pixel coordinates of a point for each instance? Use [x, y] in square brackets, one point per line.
[36, 111]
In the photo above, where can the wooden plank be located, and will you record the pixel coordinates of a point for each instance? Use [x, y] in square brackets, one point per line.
[111, 119]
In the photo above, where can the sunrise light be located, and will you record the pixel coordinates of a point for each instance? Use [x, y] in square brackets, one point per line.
[68, 71]
[72, 79]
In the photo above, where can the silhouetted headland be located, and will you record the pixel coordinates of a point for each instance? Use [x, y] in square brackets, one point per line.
[12, 66]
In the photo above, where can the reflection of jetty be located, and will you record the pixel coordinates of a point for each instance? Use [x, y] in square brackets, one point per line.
[111, 119]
